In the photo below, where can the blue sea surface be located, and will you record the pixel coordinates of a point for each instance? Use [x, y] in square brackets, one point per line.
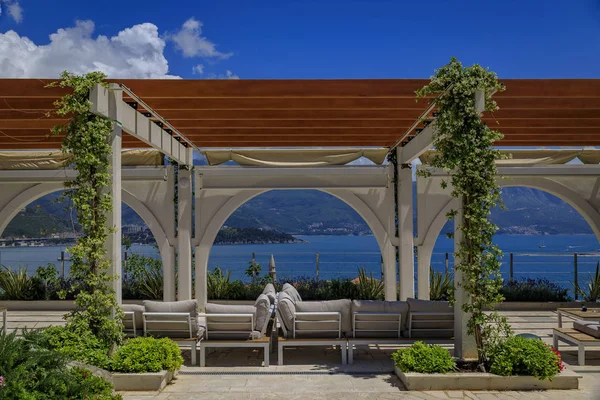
[550, 257]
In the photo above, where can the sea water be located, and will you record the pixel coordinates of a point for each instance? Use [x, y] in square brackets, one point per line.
[535, 257]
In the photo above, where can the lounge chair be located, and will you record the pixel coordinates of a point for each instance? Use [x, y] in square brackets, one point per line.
[583, 334]
[236, 326]
[312, 323]
[376, 322]
[177, 320]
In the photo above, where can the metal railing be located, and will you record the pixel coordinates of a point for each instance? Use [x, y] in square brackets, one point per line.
[565, 269]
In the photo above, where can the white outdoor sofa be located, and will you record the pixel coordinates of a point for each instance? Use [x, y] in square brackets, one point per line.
[228, 326]
[583, 334]
[376, 322]
[312, 323]
[177, 320]
[349, 324]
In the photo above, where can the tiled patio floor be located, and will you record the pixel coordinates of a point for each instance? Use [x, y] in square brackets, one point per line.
[315, 373]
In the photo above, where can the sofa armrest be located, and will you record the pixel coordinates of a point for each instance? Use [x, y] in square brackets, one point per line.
[321, 318]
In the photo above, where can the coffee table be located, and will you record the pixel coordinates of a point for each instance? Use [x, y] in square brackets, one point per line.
[592, 314]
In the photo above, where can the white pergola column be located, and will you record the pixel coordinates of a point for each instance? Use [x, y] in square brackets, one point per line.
[113, 220]
[464, 344]
[201, 267]
[424, 253]
[168, 259]
[184, 235]
[405, 230]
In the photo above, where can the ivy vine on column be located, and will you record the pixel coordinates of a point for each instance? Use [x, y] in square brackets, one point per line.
[87, 142]
[464, 147]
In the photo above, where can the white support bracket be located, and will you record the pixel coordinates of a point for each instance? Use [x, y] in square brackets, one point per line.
[418, 145]
[424, 140]
[141, 127]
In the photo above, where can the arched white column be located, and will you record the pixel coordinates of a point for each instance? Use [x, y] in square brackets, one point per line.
[184, 235]
[17, 203]
[424, 253]
[574, 199]
[167, 253]
[236, 201]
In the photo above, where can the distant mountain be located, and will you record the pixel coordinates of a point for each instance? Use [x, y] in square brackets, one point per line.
[311, 212]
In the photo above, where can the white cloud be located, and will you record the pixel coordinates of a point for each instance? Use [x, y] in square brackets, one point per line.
[135, 52]
[198, 69]
[14, 10]
[227, 75]
[190, 42]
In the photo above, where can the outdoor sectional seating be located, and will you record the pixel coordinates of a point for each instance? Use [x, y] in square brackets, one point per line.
[348, 323]
[238, 325]
[583, 334]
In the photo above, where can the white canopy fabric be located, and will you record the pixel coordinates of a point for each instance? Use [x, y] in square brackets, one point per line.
[537, 157]
[57, 159]
[294, 158]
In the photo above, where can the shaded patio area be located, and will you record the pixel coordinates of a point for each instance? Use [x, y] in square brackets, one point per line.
[237, 374]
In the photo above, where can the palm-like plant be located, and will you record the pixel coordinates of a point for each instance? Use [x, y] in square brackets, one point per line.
[16, 285]
[151, 283]
[592, 292]
[218, 284]
[441, 285]
[369, 288]
[253, 270]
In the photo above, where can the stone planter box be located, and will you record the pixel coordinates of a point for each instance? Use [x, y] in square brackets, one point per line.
[484, 381]
[148, 381]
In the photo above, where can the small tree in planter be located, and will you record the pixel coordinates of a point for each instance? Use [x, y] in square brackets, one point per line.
[464, 148]
[87, 142]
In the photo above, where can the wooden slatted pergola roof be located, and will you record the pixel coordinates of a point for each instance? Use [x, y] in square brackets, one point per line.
[312, 113]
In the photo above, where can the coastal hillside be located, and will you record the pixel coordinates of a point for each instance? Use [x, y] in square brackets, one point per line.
[311, 212]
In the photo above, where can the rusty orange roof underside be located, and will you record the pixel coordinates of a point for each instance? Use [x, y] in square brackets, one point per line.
[313, 113]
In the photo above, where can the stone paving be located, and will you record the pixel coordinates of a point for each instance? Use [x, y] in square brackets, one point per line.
[315, 373]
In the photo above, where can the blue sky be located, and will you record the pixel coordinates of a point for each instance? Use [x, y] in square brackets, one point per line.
[315, 39]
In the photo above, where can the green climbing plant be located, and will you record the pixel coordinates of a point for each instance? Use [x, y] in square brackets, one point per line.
[87, 142]
[465, 149]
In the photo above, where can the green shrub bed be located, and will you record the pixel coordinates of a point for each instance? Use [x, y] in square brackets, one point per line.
[30, 371]
[541, 290]
[521, 356]
[424, 358]
[147, 354]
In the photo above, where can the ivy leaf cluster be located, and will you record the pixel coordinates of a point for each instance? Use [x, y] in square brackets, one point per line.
[465, 149]
[87, 143]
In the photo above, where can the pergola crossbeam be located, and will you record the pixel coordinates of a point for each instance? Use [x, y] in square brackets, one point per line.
[140, 126]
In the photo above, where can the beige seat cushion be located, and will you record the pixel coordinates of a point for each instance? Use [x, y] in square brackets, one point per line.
[239, 327]
[291, 290]
[387, 326]
[416, 305]
[343, 306]
[591, 328]
[431, 326]
[176, 328]
[262, 315]
[270, 292]
[287, 309]
[138, 312]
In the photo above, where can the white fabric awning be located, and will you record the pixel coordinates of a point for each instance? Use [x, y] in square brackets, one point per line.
[56, 159]
[294, 158]
[537, 157]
